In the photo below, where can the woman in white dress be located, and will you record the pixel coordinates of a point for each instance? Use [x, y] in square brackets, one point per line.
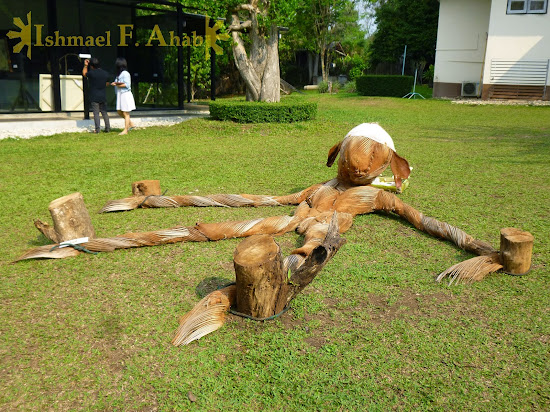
[124, 99]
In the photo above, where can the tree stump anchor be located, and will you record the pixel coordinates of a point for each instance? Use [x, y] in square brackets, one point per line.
[516, 248]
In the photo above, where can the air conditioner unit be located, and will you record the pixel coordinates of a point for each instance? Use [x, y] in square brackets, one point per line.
[469, 89]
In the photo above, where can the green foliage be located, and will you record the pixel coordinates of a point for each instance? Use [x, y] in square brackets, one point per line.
[355, 72]
[323, 87]
[322, 25]
[279, 12]
[425, 90]
[429, 74]
[352, 66]
[384, 85]
[261, 112]
[165, 93]
[314, 20]
[200, 72]
[405, 22]
[348, 32]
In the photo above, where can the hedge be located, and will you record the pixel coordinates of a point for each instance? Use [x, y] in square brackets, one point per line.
[261, 112]
[381, 85]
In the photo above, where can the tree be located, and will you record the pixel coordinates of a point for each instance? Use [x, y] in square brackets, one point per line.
[405, 22]
[317, 21]
[349, 34]
[367, 9]
[254, 28]
[323, 25]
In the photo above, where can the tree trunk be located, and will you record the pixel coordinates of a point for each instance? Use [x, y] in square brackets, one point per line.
[315, 67]
[258, 47]
[71, 219]
[309, 68]
[261, 282]
[516, 248]
[323, 67]
[271, 78]
[146, 188]
[260, 67]
[248, 74]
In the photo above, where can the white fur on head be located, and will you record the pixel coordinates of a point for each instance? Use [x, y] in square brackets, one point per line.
[374, 132]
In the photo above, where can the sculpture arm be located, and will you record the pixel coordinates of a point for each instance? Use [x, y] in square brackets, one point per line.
[219, 200]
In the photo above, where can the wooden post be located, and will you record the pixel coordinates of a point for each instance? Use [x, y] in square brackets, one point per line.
[516, 248]
[146, 188]
[261, 282]
[71, 219]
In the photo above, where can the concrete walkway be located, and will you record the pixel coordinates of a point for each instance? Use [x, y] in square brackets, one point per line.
[27, 125]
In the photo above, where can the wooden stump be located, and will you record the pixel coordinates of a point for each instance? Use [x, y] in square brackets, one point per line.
[146, 188]
[261, 282]
[516, 247]
[71, 219]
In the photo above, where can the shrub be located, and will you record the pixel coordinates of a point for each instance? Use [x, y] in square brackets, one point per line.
[323, 87]
[355, 72]
[261, 112]
[349, 87]
[352, 66]
[429, 74]
[376, 85]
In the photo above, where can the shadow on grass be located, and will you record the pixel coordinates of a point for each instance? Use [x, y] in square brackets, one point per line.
[40, 240]
[211, 284]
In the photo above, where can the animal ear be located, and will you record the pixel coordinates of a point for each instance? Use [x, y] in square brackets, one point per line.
[400, 168]
[333, 153]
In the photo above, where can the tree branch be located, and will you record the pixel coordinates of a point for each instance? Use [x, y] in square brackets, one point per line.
[245, 67]
[240, 26]
[248, 7]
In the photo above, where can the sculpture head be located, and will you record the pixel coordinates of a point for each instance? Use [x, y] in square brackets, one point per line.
[366, 151]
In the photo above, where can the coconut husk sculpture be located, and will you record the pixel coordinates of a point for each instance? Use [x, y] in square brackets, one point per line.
[365, 152]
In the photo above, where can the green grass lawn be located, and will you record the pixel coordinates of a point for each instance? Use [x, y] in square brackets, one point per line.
[372, 332]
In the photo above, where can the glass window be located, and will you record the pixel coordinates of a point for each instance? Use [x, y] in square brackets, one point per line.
[527, 6]
[20, 75]
[517, 6]
[537, 6]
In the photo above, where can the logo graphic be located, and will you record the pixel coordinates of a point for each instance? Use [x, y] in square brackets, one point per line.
[212, 36]
[24, 35]
[126, 32]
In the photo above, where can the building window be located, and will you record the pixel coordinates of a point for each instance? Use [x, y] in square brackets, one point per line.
[527, 6]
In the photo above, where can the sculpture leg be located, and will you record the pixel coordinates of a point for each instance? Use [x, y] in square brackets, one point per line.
[390, 203]
[477, 268]
[201, 232]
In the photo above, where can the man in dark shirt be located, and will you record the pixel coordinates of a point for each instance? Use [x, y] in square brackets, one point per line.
[98, 79]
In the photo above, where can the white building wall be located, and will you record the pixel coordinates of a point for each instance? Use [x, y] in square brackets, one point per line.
[462, 34]
[516, 36]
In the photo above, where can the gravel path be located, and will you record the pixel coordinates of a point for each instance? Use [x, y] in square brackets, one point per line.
[25, 129]
[479, 102]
